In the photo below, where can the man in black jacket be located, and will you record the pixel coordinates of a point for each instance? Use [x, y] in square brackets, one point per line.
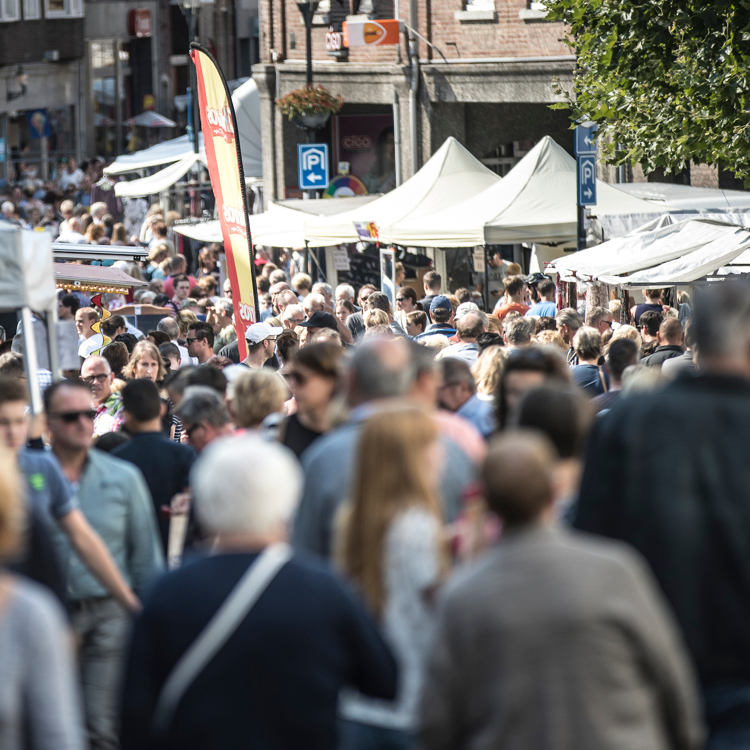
[670, 336]
[668, 472]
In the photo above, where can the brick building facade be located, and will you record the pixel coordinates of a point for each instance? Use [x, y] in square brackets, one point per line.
[492, 93]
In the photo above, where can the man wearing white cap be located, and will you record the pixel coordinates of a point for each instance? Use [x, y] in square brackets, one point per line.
[261, 342]
[471, 323]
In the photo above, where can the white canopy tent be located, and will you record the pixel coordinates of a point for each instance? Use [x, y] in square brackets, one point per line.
[534, 202]
[687, 197]
[280, 226]
[450, 174]
[247, 107]
[677, 254]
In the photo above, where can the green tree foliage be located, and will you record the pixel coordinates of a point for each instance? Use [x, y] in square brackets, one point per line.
[668, 80]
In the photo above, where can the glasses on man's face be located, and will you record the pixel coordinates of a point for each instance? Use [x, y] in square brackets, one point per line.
[100, 378]
[190, 339]
[73, 416]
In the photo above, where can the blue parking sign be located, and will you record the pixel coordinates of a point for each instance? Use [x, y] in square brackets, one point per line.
[586, 180]
[312, 166]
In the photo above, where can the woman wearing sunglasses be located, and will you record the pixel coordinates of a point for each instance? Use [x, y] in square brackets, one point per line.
[315, 380]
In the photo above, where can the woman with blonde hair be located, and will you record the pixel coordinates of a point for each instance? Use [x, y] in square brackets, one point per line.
[390, 544]
[145, 362]
[374, 318]
[39, 695]
[487, 371]
[627, 332]
[255, 395]
[94, 233]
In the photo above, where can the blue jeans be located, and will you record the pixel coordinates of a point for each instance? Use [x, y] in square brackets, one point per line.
[356, 736]
[727, 710]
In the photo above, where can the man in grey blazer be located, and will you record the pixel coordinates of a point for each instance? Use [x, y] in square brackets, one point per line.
[554, 639]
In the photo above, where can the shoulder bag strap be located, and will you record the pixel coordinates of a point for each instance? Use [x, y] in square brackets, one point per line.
[601, 377]
[222, 625]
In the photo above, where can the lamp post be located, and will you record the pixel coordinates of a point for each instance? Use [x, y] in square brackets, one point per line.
[21, 79]
[307, 9]
[191, 9]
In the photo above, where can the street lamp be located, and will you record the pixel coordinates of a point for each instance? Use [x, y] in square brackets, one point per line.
[307, 9]
[191, 8]
[21, 78]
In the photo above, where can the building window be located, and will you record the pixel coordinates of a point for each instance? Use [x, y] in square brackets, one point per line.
[63, 8]
[10, 10]
[477, 10]
[32, 10]
[535, 10]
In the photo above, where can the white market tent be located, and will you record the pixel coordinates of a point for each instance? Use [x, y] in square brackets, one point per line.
[155, 156]
[450, 174]
[676, 254]
[179, 151]
[161, 180]
[687, 197]
[280, 226]
[149, 119]
[534, 202]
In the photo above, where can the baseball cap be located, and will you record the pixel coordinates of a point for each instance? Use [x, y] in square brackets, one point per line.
[258, 332]
[320, 319]
[464, 308]
[441, 302]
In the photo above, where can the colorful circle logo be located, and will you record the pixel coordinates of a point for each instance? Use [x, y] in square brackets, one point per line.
[345, 186]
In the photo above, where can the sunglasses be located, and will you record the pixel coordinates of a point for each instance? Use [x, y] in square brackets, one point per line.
[73, 416]
[188, 340]
[401, 299]
[100, 378]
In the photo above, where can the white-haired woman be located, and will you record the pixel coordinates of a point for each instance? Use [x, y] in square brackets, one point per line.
[274, 679]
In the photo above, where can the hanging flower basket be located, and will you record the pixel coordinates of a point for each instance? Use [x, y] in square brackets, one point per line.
[310, 108]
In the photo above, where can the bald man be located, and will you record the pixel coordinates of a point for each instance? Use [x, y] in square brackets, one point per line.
[97, 374]
[670, 337]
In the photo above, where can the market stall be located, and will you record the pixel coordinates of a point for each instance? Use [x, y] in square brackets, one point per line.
[452, 174]
[534, 202]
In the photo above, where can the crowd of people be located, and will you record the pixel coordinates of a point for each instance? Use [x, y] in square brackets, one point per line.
[384, 525]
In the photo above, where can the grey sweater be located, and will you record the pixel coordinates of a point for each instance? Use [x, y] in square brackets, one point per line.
[38, 686]
[560, 641]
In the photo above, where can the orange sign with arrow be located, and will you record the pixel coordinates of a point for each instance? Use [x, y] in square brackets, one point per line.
[371, 33]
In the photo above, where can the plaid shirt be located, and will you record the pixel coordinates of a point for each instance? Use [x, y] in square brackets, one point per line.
[109, 416]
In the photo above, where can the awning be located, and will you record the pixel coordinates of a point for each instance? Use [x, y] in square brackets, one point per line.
[161, 181]
[149, 119]
[86, 251]
[94, 278]
[676, 254]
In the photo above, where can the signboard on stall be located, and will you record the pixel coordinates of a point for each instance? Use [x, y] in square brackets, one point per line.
[367, 33]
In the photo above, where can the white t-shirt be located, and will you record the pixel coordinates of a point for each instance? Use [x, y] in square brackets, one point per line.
[411, 565]
[90, 345]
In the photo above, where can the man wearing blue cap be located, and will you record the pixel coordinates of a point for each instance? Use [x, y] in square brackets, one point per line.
[441, 312]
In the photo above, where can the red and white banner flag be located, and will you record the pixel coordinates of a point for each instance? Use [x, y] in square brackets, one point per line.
[219, 125]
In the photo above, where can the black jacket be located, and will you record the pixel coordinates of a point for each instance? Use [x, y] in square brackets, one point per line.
[662, 354]
[668, 472]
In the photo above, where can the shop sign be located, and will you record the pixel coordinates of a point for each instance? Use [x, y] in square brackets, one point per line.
[140, 22]
[38, 121]
[149, 102]
[371, 33]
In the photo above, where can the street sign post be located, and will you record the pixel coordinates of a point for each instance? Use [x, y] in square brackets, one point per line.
[585, 148]
[585, 142]
[586, 180]
[312, 166]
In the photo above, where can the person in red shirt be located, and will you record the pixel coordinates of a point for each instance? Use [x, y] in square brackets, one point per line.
[177, 267]
[515, 291]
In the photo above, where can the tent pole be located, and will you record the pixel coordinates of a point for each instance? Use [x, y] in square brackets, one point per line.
[486, 288]
[30, 361]
[54, 354]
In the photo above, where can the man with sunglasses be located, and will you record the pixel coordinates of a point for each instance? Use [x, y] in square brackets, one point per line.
[97, 374]
[200, 341]
[115, 500]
